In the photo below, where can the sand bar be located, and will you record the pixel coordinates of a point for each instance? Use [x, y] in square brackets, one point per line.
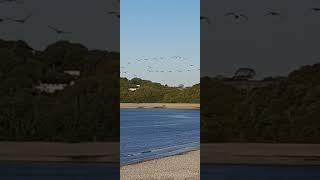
[260, 154]
[161, 105]
[59, 152]
[185, 166]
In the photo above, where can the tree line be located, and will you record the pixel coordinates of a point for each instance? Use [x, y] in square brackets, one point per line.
[285, 111]
[151, 92]
[82, 112]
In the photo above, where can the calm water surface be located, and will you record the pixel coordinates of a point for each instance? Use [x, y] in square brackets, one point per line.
[153, 133]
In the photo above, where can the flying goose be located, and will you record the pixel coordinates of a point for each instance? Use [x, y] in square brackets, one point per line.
[206, 19]
[237, 15]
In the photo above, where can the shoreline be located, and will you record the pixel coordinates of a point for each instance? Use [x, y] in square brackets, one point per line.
[260, 154]
[211, 153]
[181, 166]
[160, 105]
[104, 152]
[160, 157]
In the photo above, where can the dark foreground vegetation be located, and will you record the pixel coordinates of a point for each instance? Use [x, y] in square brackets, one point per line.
[283, 110]
[84, 111]
[150, 92]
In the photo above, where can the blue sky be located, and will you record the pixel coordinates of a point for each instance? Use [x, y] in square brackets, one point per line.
[164, 28]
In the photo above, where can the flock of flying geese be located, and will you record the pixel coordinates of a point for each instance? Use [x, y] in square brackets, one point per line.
[242, 16]
[58, 31]
[154, 68]
[116, 14]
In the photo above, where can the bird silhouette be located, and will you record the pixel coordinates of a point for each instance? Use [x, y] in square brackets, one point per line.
[272, 13]
[237, 15]
[313, 10]
[115, 13]
[206, 19]
[21, 21]
[58, 31]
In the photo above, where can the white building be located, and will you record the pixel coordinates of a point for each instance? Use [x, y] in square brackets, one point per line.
[132, 89]
[72, 72]
[52, 87]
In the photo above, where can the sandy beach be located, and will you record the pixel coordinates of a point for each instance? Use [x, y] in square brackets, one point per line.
[184, 166]
[161, 105]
